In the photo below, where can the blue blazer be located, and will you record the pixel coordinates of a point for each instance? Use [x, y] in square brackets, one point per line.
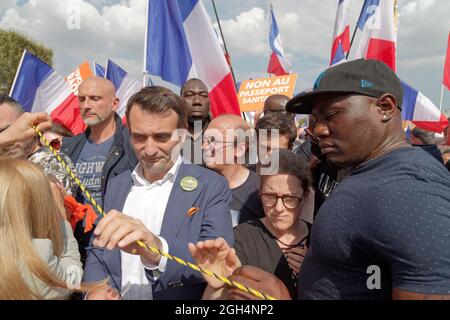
[213, 220]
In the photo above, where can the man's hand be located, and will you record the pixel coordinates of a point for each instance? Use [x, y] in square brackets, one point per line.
[119, 230]
[21, 129]
[295, 258]
[215, 256]
[257, 279]
[107, 293]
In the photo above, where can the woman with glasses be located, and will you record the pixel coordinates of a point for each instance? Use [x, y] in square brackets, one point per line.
[275, 243]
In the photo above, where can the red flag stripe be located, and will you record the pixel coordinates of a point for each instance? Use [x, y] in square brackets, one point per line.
[223, 97]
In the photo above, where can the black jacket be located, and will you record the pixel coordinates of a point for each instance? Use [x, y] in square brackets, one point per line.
[120, 158]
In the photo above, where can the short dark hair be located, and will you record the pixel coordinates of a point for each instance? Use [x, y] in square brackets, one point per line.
[190, 80]
[60, 129]
[156, 99]
[281, 121]
[288, 163]
[4, 98]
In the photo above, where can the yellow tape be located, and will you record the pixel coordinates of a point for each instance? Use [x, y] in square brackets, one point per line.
[225, 280]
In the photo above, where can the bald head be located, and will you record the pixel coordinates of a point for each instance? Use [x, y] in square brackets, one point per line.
[101, 83]
[98, 101]
[275, 103]
[229, 121]
[227, 141]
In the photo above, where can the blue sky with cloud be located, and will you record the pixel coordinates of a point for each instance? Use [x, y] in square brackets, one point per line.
[115, 29]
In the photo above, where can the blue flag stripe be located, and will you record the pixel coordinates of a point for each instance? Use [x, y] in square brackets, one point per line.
[168, 54]
[367, 11]
[32, 74]
[339, 54]
[186, 7]
[409, 101]
[273, 33]
[99, 70]
[115, 73]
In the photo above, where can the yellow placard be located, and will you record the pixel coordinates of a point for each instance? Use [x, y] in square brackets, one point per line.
[253, 93]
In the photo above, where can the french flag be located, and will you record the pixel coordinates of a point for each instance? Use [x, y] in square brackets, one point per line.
[125, 85]
[181, 44]
[99, 71]
[341, 34]
[38, 88]
[379, 36]
[278, 64]
[421, 111]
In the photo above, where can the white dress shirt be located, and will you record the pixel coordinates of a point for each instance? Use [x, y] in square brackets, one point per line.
[147, 202]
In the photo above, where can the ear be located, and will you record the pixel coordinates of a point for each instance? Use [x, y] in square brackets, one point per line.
[387, 106]
[115, 103]
[240, 150]
[181, 134]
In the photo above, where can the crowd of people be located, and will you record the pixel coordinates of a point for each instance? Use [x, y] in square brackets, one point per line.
[293, 217]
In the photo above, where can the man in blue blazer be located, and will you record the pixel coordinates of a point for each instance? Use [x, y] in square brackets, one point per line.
[164, 203]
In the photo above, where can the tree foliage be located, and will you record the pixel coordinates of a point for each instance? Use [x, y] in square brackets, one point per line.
[12, 45]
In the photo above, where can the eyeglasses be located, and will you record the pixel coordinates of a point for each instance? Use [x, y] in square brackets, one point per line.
[290, 202]
[212, 141]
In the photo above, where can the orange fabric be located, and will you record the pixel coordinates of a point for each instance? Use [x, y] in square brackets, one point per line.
[192, 211]
[79, 211]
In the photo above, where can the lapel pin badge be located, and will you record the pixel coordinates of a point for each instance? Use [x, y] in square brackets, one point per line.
[188, 184]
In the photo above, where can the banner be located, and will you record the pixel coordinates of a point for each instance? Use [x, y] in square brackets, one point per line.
[253, 93]
[82, 72]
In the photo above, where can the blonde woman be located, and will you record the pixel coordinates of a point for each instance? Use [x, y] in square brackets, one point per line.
[39, 255]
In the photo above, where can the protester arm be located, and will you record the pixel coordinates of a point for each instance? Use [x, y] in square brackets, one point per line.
[21, 129]
[257, 279]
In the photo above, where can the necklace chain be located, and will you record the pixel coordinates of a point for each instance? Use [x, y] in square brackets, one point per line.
[365, 162]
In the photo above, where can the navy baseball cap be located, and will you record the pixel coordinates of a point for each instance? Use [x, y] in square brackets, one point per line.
[371, 78]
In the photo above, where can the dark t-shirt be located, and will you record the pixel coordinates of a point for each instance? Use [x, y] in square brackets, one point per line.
[89, 166]
[256, 246]
[394, 213]
[246, 204]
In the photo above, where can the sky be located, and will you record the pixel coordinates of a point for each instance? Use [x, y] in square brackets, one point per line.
[116, 29]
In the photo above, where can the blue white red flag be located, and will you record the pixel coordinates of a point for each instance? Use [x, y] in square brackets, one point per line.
[341, 34]
[421, 111]
[125, 85]
[181, 44]
[378, 32]
[38, 88]
[278, 64]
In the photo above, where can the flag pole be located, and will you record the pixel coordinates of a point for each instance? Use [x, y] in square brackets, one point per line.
[223, 38]
[226, 50]
[442, 95]
[17, 73]
[354, 31]
[144, 71]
